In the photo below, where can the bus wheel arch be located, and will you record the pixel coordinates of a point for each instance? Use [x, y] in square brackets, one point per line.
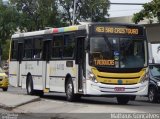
[29, 84]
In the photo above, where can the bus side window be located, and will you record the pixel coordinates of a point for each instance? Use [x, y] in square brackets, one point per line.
[37, 52]
[57, 45]
[69, 46]
[28, 48]
[14, 52]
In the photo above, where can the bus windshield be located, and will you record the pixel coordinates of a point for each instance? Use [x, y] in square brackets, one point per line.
[116, 52]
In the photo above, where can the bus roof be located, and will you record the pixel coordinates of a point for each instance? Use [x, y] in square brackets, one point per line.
[50, 31]
[83, 26]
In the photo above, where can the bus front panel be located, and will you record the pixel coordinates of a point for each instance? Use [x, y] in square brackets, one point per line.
[117, 62]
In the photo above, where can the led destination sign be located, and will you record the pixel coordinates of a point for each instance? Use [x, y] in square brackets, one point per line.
[119, 30]
[104, 62]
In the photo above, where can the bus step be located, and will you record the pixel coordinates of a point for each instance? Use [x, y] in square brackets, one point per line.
[46, 90]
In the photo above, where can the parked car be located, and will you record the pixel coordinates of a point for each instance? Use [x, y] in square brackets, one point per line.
[3, 80]
[154, 83]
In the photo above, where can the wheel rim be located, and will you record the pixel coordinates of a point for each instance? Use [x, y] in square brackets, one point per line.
[151, 95]
[69, 90]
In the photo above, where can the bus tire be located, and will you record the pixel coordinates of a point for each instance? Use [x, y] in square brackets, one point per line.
[70, 91]
[123, 99]
[29, 85]
[152, 95]
[5, 89]
[132, 98]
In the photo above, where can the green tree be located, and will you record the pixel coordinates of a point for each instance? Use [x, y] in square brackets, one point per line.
[150, 10]
[8, 22]
[85, 10]
[5, 50]
[37, 14]
[9, 18]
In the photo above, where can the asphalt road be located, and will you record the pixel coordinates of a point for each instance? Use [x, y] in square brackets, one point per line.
[55, 106]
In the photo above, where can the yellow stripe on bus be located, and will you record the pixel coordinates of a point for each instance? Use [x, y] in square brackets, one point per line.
[113, 78]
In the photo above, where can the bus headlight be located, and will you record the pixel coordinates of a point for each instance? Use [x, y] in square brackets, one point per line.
[92, 76]
[145, 77]
[158, 83]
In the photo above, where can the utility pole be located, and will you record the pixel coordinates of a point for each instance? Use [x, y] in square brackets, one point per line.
[74, 11]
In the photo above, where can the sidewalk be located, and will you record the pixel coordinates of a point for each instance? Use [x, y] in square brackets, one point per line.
[10, 101]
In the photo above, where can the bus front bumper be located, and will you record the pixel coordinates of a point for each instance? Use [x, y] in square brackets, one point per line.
[100, 89]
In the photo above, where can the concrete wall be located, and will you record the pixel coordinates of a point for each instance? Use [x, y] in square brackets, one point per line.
[153, 33]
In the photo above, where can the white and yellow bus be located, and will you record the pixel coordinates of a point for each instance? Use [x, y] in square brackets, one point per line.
[97, 59]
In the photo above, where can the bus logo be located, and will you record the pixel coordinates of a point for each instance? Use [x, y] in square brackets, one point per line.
[120, 82]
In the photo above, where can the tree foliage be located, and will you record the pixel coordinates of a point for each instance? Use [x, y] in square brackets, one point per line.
[31, 15]
[5, 50]
[86, 10]
[150, 10]
[37, 14]
[8, 22]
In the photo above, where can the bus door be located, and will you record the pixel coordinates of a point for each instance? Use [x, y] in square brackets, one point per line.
[20, 52]
[80, 61]
[46, 57]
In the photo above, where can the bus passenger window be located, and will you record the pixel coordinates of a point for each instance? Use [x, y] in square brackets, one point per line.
[37, 53]
[14, 50]
[28, 47]
[57, 44]
[69, 46]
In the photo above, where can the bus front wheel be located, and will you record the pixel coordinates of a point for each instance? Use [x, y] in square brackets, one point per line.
[132, 98]
[29, 85]
[123, 99]
[70, 91]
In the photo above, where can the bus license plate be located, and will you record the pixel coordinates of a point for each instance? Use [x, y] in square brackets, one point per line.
[119, 89]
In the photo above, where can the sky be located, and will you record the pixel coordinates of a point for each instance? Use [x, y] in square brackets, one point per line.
[125, 10]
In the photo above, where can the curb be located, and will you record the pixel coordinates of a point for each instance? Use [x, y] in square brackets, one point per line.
[21, 104]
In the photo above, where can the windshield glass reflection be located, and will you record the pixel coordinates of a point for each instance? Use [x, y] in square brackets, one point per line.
[115, 52]
[132, 53]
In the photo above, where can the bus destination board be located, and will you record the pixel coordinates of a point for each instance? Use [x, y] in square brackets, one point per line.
[119, 30]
